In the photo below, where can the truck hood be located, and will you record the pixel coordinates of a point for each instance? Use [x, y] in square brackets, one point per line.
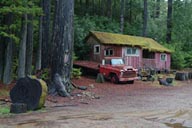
[123, 67]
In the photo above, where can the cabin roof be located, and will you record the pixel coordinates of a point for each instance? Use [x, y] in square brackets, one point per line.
[128, 40]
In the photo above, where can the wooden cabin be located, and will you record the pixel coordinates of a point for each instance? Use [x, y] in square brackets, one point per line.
[136, 51]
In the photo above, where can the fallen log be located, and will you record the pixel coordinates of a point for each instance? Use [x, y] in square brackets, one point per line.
[29, 91]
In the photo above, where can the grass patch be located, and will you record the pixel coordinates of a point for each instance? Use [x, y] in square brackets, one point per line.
[4, 110]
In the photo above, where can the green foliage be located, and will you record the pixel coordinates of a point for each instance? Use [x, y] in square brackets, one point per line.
[45, 74]
[90, 23]
[76, 73]
[188, 59]
[177, 60]
[14, 67]
[17, 9]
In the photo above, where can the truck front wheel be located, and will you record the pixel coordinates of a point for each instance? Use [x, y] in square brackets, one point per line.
[130, 82]
[114, 79]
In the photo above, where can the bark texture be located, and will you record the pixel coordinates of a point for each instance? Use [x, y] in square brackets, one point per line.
[29, 45]
[39, 49]
[46, 4]
[22, 50]
[62, 45]
[8, 63]
[7, 74]
[2, 47]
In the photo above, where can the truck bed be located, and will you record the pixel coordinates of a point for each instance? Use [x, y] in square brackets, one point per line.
[90, 67]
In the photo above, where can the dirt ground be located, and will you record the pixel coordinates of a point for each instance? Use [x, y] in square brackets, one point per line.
[106, 105]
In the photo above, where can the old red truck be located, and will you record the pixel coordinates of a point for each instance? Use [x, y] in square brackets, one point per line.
[114, 69]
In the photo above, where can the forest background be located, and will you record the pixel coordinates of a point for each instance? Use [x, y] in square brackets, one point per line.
[26, 29]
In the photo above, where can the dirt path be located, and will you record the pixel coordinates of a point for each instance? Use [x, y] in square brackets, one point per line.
[141, 105]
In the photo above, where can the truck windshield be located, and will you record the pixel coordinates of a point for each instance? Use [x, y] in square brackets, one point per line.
[116, 61]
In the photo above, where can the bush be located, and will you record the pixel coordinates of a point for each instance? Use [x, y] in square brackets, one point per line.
[177, 60]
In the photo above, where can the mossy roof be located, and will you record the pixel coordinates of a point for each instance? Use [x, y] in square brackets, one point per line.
[127, 40]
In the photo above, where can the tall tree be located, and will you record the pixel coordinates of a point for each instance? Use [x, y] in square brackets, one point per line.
[22, 47]
[7, 75]
[109, 8]
[145, 15]
[29, 45]
[62, 45]
[2, 47]
[122, 16]
[46, 5]
[169, 21]
[39, 48]
[157, 12]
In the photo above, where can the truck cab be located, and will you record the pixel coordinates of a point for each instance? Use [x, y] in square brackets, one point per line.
[114, 69]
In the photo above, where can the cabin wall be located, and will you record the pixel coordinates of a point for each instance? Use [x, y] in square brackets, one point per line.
[163, 64]
[93, 57]
[117, 50]
[135, 61]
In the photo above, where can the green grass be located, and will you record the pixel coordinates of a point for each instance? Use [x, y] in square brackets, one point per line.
[4, 110]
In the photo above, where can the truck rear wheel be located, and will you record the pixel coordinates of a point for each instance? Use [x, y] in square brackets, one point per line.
[114, 79]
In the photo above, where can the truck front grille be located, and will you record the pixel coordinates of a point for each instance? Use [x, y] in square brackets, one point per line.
[129, 74]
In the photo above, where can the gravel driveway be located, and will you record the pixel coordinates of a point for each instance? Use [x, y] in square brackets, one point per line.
[105, 105]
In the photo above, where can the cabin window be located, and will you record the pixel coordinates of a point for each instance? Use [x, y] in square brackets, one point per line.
[108, 52]
[96, 49]
[132, 51]
[148, 54]
[163, 57]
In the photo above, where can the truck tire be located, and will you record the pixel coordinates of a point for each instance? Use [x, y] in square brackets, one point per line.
[130, 82]
[114, 79]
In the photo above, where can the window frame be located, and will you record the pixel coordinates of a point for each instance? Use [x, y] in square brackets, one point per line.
[131, 50]
[109, 52]
[163, 58]
[95, 49]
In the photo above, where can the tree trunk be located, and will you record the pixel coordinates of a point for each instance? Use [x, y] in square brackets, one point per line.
[38, 53]
[130, 12]
[29, 53]
[62, 46]
[169, 21]
[8, 62]
[122, 16]
[2, 51]
[46, 4]
[145, 15]
[157, 12]
[109, 8]
[22, 50]
[7, 75]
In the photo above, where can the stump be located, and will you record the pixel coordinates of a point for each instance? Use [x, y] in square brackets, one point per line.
[18, 108]
[190, 75]
[29, 91]
[100, 78]
[181, 76]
